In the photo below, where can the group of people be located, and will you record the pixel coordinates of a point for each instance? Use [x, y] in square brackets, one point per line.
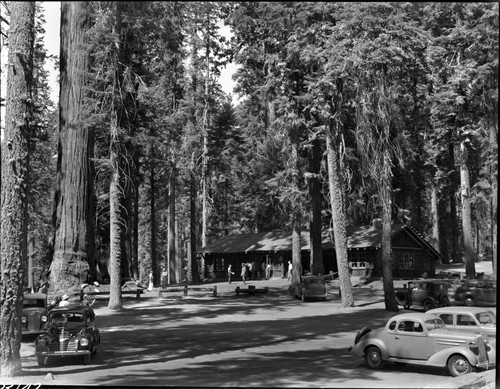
[248, 271]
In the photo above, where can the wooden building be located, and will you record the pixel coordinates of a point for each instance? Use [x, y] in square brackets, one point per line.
[413, 256]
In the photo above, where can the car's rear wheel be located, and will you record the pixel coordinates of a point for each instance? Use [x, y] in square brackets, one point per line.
[373, 358]
[469, 301]
[86, 359]
[428, 304]
[445, 302]
[459, 365]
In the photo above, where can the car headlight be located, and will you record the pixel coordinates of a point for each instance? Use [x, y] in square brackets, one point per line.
[43, 319]
[23, 320]
[84, 342]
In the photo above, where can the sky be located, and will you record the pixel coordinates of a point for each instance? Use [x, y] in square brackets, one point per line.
[52, 44]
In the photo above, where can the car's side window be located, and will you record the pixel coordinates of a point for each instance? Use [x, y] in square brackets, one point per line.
[405, 326]
[417, 327]
[447, 318]
[392, 325]
[465, 320]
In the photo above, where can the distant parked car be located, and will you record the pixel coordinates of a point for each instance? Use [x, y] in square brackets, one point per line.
[310, 287]
[469, 319]
[423, 293]
[71, 331]
[423, 339]
[35, 313]
[475, 292]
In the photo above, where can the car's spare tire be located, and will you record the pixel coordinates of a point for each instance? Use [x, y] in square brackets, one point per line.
[362, 332]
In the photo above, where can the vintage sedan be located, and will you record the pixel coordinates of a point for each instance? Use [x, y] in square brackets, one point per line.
[35, 313]
[423, 339]
[71, 332]
[310, 287]
[427, 294]
[469, 319]
[475, 292]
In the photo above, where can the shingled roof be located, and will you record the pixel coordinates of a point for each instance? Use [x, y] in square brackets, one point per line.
[362, 237]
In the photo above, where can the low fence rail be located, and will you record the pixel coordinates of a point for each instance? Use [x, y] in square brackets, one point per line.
[357, 290]
[186, 289]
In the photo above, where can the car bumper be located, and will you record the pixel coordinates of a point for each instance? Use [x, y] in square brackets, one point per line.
[75, 353]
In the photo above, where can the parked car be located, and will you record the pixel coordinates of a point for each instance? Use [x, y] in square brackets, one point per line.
[469, 319]
[475, 292]
[35, 313]
[310, 287]
[71, 331]
[423, 339]
[423, 293]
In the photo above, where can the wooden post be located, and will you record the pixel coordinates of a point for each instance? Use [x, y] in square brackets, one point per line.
[215, 290]
[185, 290]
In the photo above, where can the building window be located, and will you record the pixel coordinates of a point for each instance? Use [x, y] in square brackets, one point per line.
[357, 260]
[405, 261]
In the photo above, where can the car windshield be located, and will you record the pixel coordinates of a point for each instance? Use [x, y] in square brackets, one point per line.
[34, 303]
[487, 317]
[434, 324]
[61, 318]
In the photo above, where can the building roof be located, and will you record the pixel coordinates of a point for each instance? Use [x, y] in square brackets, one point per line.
[357, 238]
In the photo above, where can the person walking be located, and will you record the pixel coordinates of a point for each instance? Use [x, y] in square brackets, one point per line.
[290, 267]
[229, 272]
[244, 272]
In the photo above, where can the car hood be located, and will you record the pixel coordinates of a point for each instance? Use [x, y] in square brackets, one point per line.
[454, 335]
[56, 330]
[34, 309]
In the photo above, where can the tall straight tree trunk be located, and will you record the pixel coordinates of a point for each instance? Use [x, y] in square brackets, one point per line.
[336, 186]
[152, 204]
[193, 261]
[134, 267]
[15, 183]
[172, 250]
[316, 242]
[494, 186]
[435, 218]
[73, 262]
[455, 246]
[387, 260]
[115, 188]
[470, 270]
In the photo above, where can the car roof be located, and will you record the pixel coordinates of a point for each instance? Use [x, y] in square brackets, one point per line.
[459, 309]
[413, 316]
[73, 307]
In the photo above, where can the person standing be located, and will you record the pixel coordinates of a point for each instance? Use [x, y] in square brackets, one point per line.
[268, 271]
[290, 267]
[229, 272]
[164, 278]
[244, 272]
[150, 286]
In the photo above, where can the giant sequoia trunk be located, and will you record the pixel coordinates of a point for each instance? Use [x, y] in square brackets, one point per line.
[15, 177]
[116, 185]
[470, 270]
[385, 193]
[435, 218]
[336, 186]
[73, 261]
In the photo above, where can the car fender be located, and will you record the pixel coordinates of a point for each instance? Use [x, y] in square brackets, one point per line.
[363, 344]
[441, 357]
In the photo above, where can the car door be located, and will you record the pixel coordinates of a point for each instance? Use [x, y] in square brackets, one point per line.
[410, 341]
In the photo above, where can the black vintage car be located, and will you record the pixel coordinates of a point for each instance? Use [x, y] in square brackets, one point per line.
[35, 313]
[428, 294]
[71, 332]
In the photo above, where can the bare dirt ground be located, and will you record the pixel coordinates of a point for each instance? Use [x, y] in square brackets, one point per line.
[269, 340]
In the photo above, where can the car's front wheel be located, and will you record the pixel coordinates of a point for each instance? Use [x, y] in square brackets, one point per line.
[469, 301]
[459, 365]
[86, 359]
[428, 304]
[373, 358]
